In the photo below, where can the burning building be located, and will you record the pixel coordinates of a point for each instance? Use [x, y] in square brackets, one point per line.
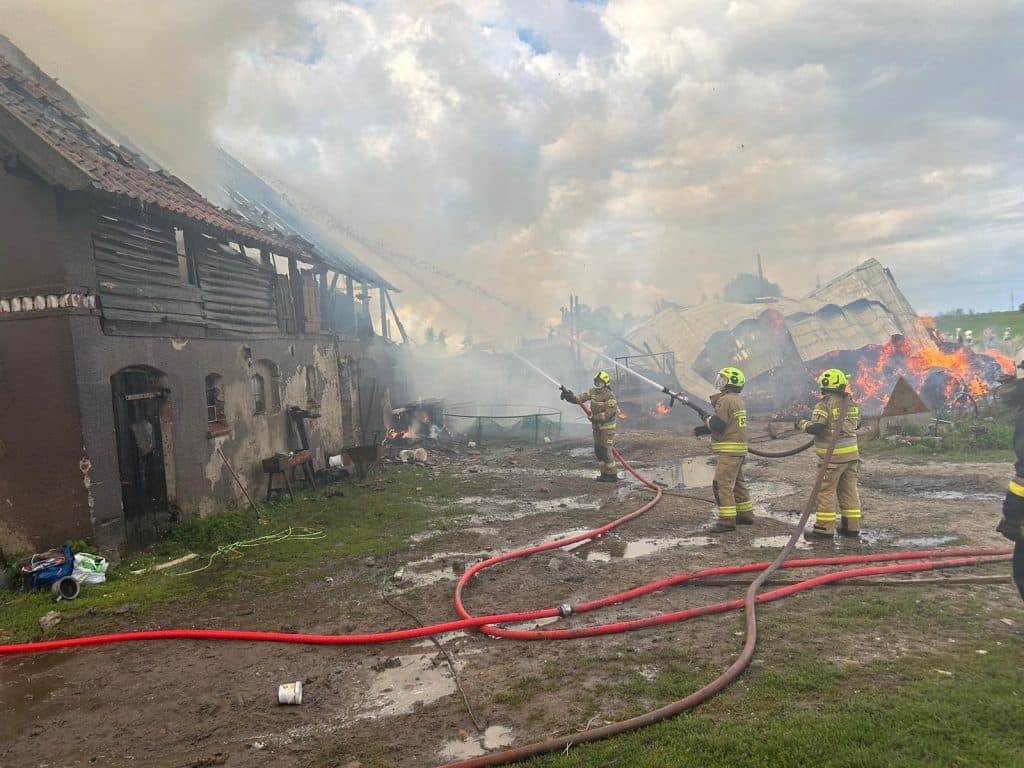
[154, 343]
[860, 322]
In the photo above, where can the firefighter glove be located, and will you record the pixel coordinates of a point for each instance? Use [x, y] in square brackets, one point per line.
[702, 430]
[567, 395]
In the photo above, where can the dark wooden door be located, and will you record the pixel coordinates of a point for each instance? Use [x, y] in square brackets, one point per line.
[140, 455]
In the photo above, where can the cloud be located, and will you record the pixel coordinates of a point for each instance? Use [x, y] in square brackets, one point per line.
[622, 151]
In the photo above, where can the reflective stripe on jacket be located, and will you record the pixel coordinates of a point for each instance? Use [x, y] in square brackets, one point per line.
[604, 408]
[827, 412]
[732, 440]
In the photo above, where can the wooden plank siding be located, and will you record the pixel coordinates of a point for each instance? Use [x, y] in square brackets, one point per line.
[138, 274]
[143, 288]
[238, 293]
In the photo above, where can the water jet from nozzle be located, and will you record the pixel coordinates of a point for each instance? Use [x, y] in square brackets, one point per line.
[625, 368]
[535, 368]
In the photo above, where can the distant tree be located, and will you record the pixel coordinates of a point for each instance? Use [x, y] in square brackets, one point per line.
[430, 337]
[442, 339]
[745, 288]
[1020, 308]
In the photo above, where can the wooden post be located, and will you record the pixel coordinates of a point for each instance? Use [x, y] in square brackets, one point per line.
[298, 300]
[398, 322]
[350, 291]
[383, 315]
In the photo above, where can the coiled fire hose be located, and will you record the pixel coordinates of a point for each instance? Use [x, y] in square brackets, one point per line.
[933, 559]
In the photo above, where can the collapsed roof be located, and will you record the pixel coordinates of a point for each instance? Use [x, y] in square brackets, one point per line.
[863, 306]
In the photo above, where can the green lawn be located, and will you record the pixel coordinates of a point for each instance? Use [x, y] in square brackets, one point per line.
[979, 322]
[372, 519]
[931, 683]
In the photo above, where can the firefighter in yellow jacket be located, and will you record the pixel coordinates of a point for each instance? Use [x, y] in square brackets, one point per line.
[840, 481]
[604, 411]
[728, 429]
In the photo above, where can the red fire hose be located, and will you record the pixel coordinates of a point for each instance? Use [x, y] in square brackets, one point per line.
[933, 559]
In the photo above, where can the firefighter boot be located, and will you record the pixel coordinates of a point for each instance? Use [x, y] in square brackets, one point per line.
[745, 513]
[849, 527]
[820, 531]
[726, 520]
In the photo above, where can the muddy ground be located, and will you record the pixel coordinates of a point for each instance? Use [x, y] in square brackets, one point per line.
[198, 704]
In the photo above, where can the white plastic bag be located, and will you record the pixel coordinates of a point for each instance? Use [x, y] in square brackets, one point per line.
[89, 569]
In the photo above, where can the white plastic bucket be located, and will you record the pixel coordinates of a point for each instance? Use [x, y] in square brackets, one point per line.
[290, 693]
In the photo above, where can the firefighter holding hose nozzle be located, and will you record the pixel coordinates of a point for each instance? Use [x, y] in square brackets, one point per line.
[840, 478]
[728, 429]
[1011, 391]
[604, 413]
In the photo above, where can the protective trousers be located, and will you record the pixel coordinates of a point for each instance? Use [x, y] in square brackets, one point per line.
[604, 439]
[734, 504]
[840, 482]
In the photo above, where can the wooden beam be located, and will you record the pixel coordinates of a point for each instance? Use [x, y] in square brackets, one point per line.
[383, 315]
[401, 328]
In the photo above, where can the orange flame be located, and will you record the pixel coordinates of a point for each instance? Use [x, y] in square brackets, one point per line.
[1007, 364]
[873, 380]
[623, 416]
[662, 409]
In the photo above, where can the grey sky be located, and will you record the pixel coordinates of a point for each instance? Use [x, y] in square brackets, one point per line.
[622, 150]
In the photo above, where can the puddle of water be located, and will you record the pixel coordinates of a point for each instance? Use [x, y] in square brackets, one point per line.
[443, 639]
[627, 550]
[412, 575]
[778, 542]
[505, 509]
[960, 496]
[418, 681]
[924, 542]
[770, 489]
[536, 471]
[535, 624]
[494, 737]
[25, 685]
[687, 473]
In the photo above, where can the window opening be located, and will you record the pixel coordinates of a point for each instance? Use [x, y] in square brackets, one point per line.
[186, 258]
[259, 395]
[214, 400]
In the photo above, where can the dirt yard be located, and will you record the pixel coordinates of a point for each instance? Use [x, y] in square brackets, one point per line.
[179, 704]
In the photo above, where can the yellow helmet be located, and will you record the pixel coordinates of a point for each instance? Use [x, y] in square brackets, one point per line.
[603, 378]
[833, 378]
[733, 377]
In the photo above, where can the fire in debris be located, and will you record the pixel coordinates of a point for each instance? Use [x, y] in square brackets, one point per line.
[935, 371]
[661, 409]
[418, 421]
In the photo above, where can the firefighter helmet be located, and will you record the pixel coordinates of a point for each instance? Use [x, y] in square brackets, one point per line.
[833, 380]
[602, 378]
[733, 377]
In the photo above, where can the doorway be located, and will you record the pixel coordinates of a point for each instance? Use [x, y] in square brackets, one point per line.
[139, 397]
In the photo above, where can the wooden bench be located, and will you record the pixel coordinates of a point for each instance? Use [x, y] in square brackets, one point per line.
[280, 463]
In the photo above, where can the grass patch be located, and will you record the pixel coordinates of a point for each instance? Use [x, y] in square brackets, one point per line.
[372, 520]
[997, 321]
[935, 703]
[988, 438]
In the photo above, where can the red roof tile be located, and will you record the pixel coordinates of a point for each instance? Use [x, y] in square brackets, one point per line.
[115, 170]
